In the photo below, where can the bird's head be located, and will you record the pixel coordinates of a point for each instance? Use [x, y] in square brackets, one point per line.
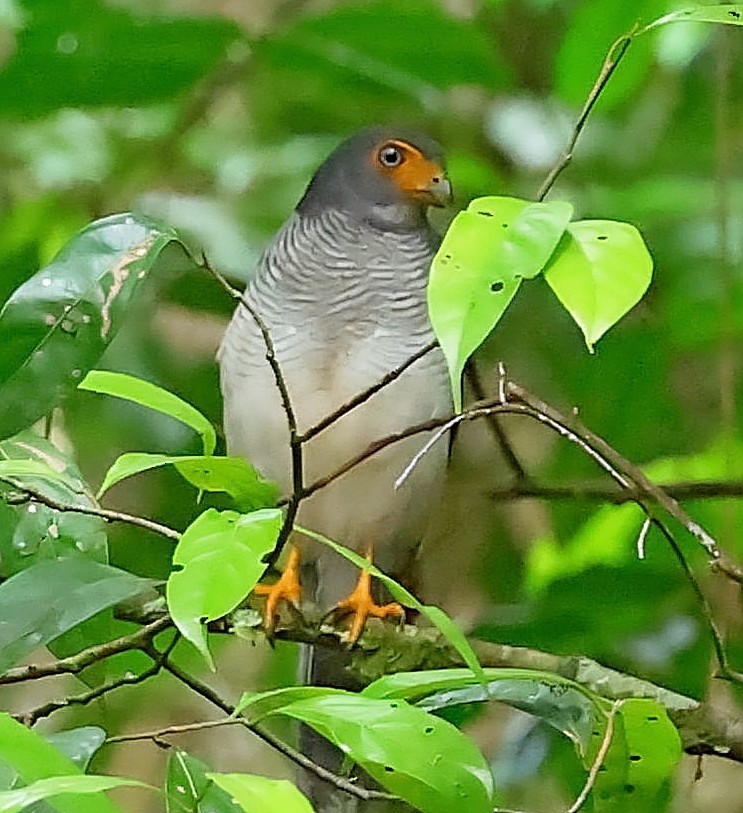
[382, 176]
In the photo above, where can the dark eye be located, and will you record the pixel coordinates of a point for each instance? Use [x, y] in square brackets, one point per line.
[390, 156]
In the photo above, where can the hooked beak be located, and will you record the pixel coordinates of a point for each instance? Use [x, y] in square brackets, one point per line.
[439, 191]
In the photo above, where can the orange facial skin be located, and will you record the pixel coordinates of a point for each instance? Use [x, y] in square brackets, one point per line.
[416, 176]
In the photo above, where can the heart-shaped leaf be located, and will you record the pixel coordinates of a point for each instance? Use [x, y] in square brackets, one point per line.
[599, 272]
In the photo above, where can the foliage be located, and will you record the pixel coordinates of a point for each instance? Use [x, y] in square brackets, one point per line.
[210, 123]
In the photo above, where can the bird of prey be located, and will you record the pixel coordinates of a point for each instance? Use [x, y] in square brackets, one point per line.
[341, 289]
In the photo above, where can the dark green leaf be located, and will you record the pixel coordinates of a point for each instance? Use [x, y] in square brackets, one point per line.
[56, 325]
[46, 600]
[188, 788]
[220, 561]
[78, 744]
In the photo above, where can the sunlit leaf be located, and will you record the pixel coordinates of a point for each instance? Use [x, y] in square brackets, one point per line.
[39, 604]
[55, 327]
[487, 251]
[601, 269]
[259, 793]
[188, 788]
[147, 394]
[434, 614]
[34, 759]
[727, 14]
[377, 735]
[217, 562]
[232, 475]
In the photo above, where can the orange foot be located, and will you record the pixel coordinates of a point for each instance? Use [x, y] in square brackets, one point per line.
[361, 605]
[287, 588]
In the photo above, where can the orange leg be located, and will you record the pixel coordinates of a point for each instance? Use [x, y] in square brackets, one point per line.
[287, 588]
[361, 605]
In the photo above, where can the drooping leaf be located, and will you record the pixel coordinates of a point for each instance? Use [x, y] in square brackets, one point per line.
[55, 327]
[189, 789]
[219, 558]
[434, 614]
[14, 801]
[39, 604]
[34, 759]
[253, 793]
[560, 702]
[486, 253]
[233, 475]
[377, 734]
[599, 272]
[150, 395]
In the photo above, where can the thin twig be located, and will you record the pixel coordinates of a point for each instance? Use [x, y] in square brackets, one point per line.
[612, 59]
[598, 762]
[31, 717]
[31, 494]
[295, 442]
[159, 733]
[275, 742]
[75, 664]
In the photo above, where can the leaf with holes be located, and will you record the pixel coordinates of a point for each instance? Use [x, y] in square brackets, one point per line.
[601, 270]
[149, 395]
[56, 325]
[560, 702]
[233, 475]
[731, 14]
[487, 251]
[444, 772]
[218, 561]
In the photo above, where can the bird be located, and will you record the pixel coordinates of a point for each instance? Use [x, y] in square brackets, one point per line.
[341, 292]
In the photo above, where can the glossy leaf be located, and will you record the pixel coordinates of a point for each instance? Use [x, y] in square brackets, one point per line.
[14, 801]
[55, 327]
[599, 272]
[561, 703]
[34, 759]
[487, 251]
[233, 475]
[727, 14]
[259, 793]
[189, 789]
[377, 735]
[434, 614]
[147, 394]
[78, 744]
[219, 561]
[39, 604]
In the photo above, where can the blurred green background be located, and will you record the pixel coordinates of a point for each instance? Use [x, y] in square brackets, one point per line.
[212, 114]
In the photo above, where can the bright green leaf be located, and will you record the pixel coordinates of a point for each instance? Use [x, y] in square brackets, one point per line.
[233, 475]
[377, 734]
[434, 614]
[14, 801]
[34, 759]
[258, 793]
[731, 14]
[484, 255]
[599, 272]
[37, 605]
[147, 394]
[56, 325]
[219, 558]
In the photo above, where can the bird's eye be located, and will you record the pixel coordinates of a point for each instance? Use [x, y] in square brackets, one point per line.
[390, 156]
